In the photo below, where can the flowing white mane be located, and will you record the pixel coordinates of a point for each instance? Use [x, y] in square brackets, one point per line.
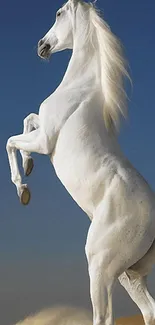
[113, 71]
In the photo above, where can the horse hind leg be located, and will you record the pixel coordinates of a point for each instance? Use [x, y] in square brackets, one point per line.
[136, 286]
[104, 266]
[101, 288]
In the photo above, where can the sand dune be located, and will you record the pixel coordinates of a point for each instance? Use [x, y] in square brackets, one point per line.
[71, 316]
[133, 320]
[59, 316]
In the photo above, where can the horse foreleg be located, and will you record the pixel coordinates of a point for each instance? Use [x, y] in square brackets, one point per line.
[31, 122]
[35, 141]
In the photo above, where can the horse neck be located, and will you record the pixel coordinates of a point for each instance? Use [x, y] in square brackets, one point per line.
[84, 66]
[84, 72]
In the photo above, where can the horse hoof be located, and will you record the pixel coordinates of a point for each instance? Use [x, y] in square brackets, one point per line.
[28, 166]
[25, 195]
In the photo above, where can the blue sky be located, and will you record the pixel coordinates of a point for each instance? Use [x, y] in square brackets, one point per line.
[42, 245]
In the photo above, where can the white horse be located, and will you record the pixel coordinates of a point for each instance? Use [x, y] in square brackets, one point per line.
[76, 127]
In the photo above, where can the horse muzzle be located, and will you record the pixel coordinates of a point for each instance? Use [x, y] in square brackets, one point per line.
[44, 49]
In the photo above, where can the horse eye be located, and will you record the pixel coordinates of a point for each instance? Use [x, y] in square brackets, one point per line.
[58, 14]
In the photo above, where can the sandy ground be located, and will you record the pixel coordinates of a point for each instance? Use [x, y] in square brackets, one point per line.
[72, 316]
[133, 320]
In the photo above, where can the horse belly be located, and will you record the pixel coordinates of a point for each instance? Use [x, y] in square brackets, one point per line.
[72, 176]
[80, 171]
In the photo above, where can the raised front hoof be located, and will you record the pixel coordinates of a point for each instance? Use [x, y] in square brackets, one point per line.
[29, 164]
[25, 195]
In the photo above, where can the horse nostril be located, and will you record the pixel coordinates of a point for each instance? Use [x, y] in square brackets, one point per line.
[41, 42]
[48, 47]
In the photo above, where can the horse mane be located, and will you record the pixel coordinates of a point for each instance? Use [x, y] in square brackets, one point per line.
[113, 71]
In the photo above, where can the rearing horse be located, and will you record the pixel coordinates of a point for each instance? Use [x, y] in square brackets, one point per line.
[76, 126]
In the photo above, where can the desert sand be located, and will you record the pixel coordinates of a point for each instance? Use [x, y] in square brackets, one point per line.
[72, 316]
[132, 320]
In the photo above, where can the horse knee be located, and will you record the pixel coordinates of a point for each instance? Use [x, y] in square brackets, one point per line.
[28, 119]
[9, 145]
